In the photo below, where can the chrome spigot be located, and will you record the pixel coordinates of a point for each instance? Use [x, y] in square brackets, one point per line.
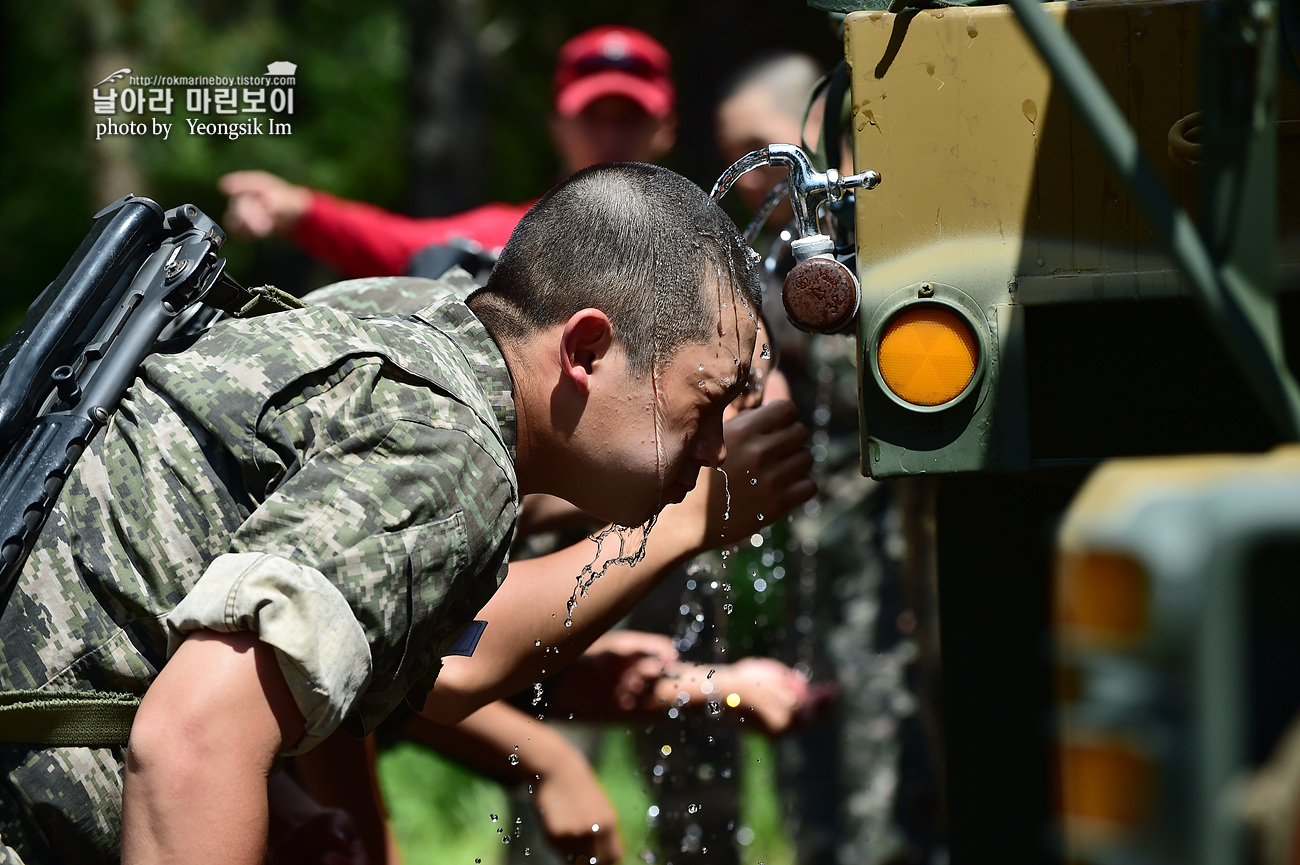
[820, 293]
[808, 189]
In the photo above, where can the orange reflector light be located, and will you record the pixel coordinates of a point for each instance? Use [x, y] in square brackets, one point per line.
[928, 354]
[1101, 598]
[1105, 787]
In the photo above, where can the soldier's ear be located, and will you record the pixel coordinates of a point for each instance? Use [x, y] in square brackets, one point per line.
[585, 341]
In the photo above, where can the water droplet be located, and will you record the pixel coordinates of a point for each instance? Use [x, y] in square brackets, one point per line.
[760, 518]
[753, 482]
[537, 643]
[595, 827]
[728, 608]
[513, 759]
[494, 818]
[666, 750]
[766, 353]
[505, 839]
[692, 808]
[701, 367]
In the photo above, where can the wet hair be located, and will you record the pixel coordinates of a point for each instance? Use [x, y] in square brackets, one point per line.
[644, 245]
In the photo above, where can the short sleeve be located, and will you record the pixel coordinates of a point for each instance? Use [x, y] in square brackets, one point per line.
[402, 518]
[321, 648]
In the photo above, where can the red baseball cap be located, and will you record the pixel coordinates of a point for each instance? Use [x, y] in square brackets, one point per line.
[614, 61]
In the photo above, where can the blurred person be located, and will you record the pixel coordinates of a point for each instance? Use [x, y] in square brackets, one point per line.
[614, 101]
[846, 622]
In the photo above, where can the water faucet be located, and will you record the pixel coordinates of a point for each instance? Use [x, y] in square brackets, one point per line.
[820, 294]
[808, 189]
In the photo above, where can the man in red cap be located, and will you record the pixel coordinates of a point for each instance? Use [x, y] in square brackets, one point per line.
[614, 102]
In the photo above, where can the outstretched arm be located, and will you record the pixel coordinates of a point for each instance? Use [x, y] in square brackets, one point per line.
[509, 745]
[629, 675]
[530, 635]
[201, 749]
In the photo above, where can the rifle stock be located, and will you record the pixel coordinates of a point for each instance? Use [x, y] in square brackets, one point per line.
[64, 371]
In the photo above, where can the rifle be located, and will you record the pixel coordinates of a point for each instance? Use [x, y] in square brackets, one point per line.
[138, 271]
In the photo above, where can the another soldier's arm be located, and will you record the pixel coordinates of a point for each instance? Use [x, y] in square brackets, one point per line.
[201, 748]
[509, 745]
[527, 614]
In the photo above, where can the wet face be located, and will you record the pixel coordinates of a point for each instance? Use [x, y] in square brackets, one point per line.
[612, 129]
[682, 409]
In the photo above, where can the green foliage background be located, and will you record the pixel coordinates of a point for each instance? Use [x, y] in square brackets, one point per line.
[353, 103]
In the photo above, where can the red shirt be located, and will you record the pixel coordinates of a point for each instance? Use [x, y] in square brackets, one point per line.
[359, 239]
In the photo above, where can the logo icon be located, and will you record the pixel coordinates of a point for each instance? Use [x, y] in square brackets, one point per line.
[116, 76]
[279, 67]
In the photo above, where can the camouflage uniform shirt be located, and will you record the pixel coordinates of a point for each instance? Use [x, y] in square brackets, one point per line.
[343, 487]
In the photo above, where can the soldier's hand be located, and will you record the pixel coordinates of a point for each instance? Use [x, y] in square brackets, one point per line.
[769, 695]
[766, 473]
[578, 819]
[614, 676]
[261, 204]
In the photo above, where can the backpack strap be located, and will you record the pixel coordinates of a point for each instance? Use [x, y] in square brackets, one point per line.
[94, 719]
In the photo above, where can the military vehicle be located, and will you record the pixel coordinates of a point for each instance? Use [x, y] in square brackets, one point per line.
[1084, 246]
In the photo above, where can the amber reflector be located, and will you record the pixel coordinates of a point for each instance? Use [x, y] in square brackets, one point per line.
[1102, 597]
[1105, 783]
[928, 355]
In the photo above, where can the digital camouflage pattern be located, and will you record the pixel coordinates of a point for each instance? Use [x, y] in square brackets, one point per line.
[362, 465]
[393, 295]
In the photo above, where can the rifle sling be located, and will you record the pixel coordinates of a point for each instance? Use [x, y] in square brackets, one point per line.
[243, 302]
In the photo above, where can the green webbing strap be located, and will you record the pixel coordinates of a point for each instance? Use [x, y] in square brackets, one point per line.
[242, 302]
[267, 299]
[93, 719]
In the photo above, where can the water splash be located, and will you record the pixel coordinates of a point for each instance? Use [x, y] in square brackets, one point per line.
[726, 490]
[590, 572]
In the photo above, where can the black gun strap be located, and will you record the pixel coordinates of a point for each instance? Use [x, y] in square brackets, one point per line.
[92, 719]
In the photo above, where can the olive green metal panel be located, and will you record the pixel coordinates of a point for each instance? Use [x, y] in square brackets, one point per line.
[993, 187]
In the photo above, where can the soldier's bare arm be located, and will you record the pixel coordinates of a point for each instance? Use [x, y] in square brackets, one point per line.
[527, 637]
[201, 749]
[509, 745]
